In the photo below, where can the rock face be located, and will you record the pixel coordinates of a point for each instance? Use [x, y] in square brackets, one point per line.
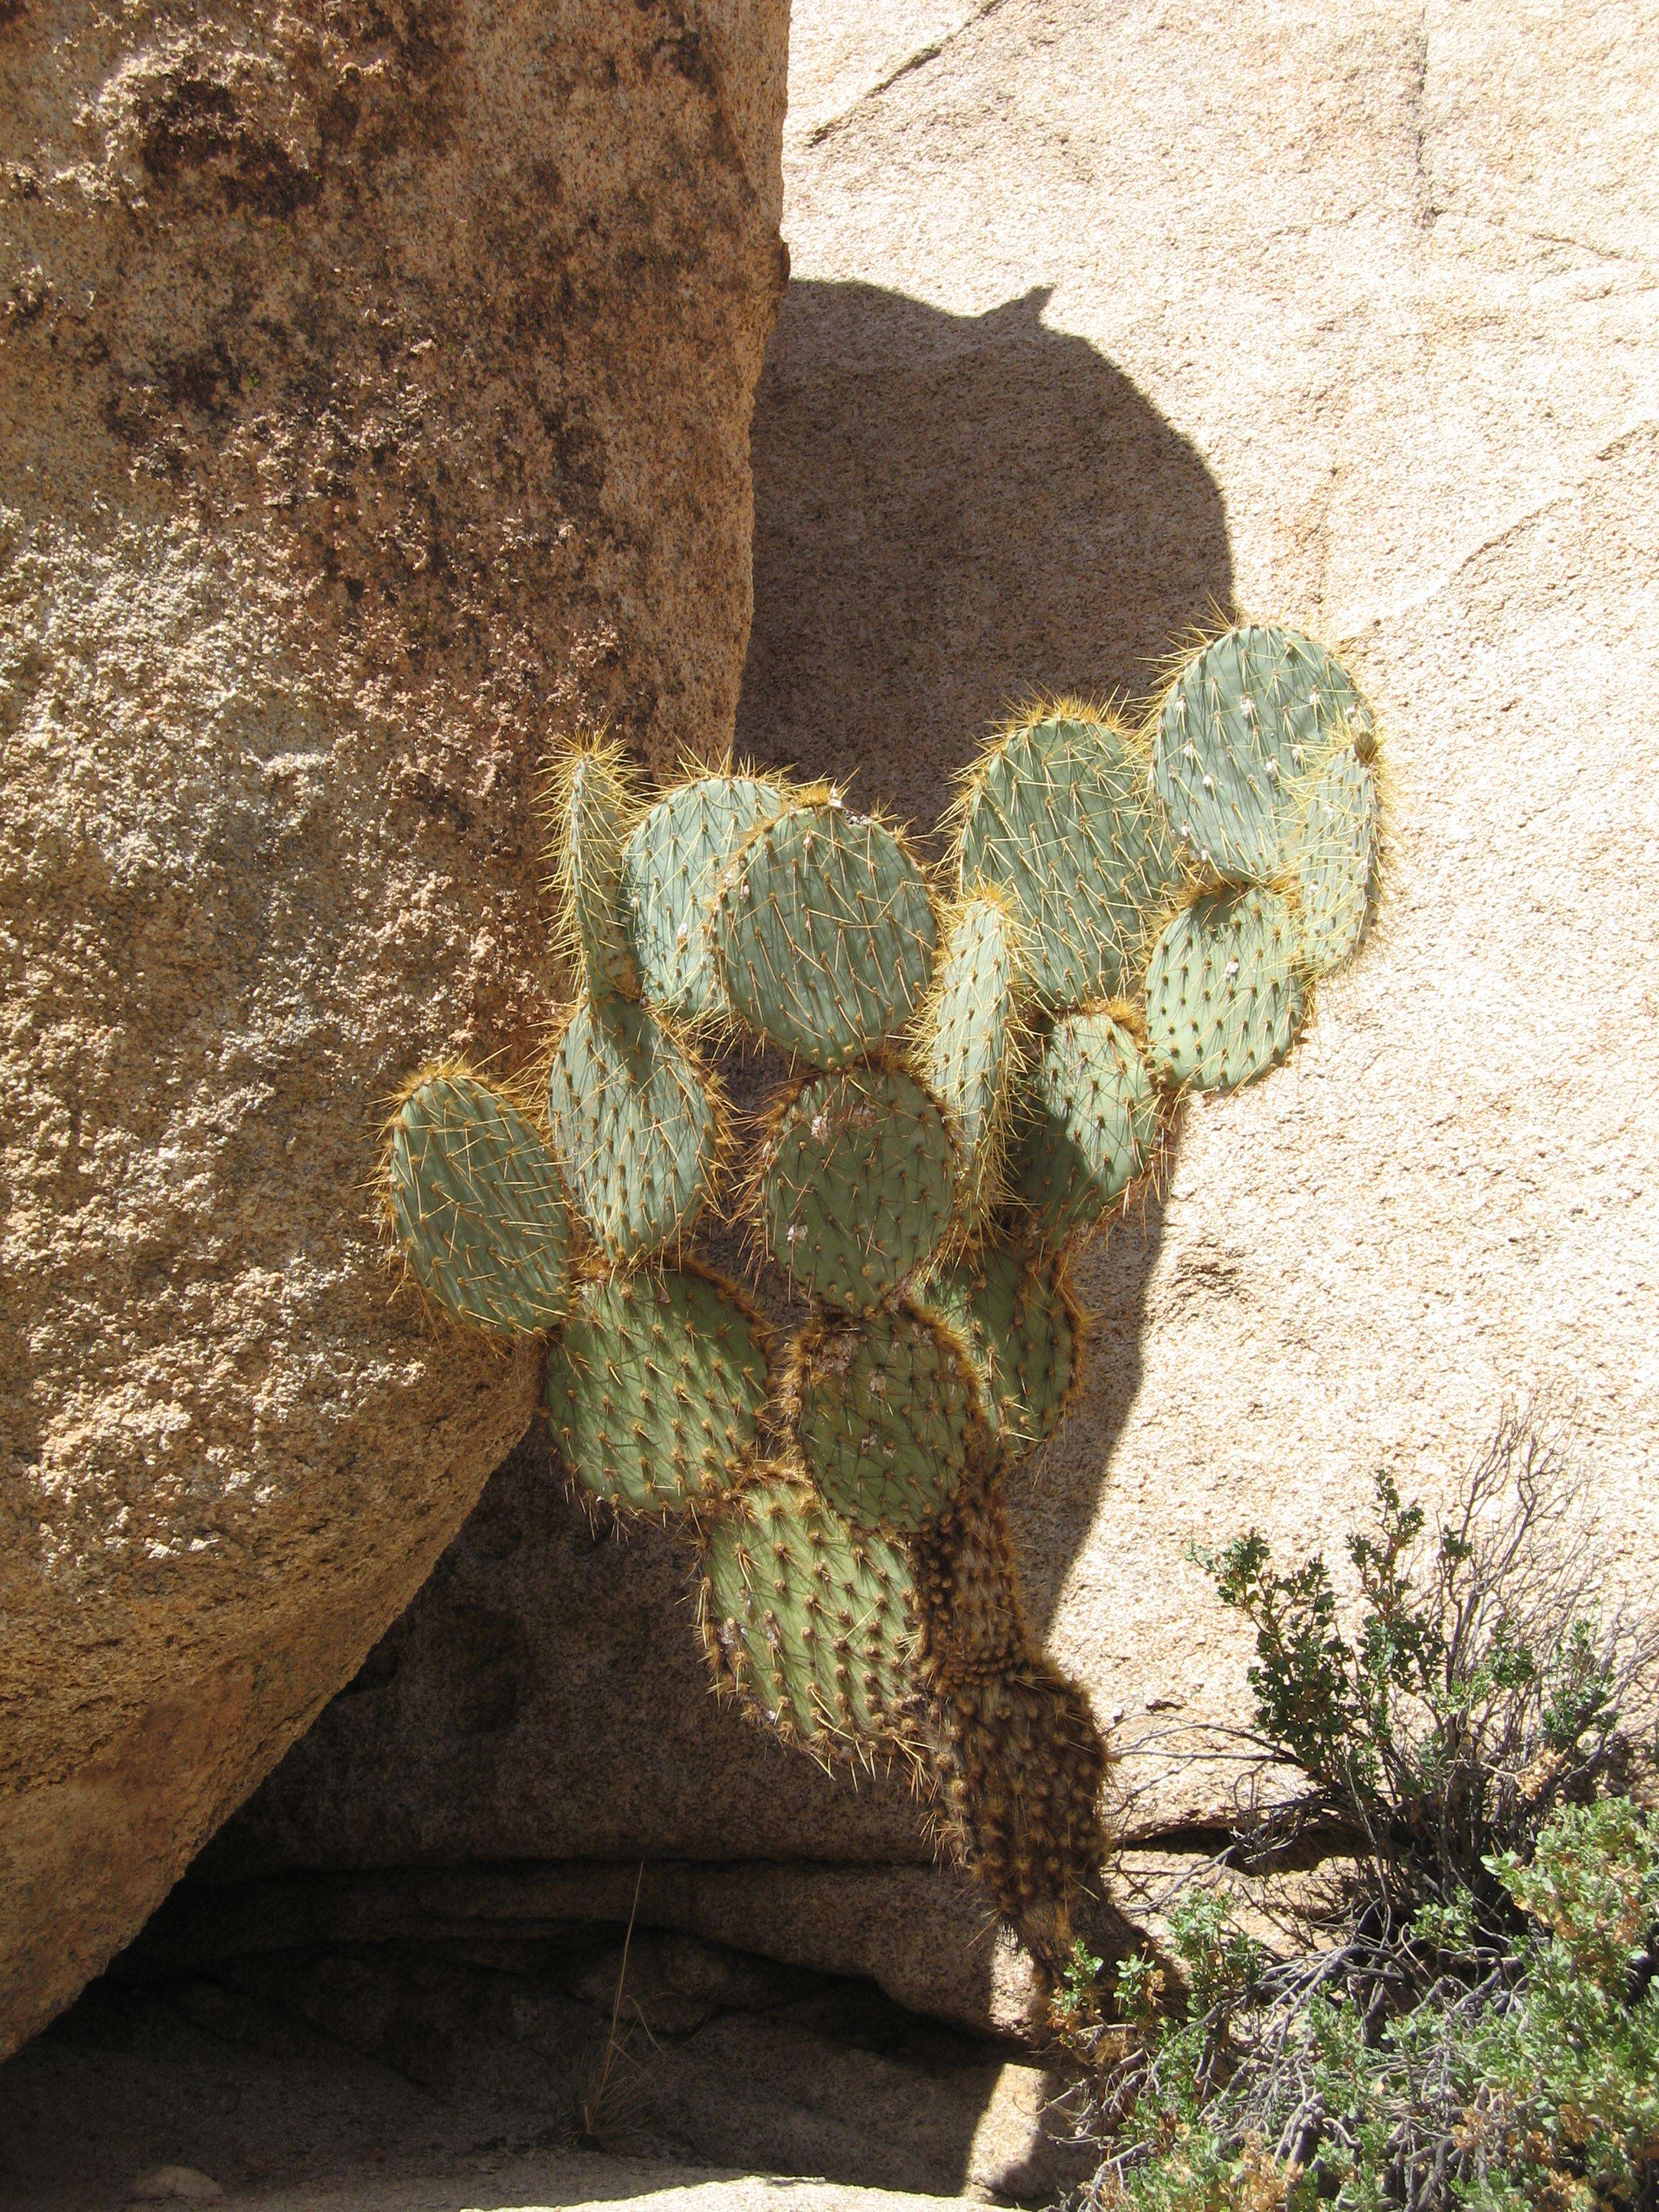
[1359, 315]
[1101, 316]
[374, 400]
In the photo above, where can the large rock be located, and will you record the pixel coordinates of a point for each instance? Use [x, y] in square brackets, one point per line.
[374, 398]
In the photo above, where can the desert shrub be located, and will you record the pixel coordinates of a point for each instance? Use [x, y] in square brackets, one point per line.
[1466, 2014]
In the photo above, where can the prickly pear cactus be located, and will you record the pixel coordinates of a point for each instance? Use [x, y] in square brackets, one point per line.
[958, 1094]
[476, 1205]
[888, 1415]
[812, 1624]
[590, 802]
[971, 1048]
[855, 1185]
[1244, 724]
[823, 933]
[636, 1126]
[1092, 1121]
[655, 1388]
[1013, 1306]
[1056, 818]
[1224, 991]
[1336, 860]
[670, 870]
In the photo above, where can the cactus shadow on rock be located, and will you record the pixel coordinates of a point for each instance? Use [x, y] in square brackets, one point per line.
[954, 513]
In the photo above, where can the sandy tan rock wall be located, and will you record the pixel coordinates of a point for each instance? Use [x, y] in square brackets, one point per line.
[374, 399]
[1349, 318]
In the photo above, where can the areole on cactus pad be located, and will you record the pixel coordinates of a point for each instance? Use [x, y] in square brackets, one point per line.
[957, 1093]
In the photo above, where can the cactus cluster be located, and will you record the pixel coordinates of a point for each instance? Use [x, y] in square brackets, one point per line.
[970, 1066]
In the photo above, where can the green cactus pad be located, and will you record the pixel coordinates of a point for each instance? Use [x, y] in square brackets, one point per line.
[593, 803]
[1057, 819]
[634, 1127]
[1024, 1330]
[1088, 1123]
[669, 872]
[823, 933]
[886, 1413]
[855, 1189]
[476, 1206]
[970, 1044]
[654, 1387]
[1336, 860]
[811, 1622]
[1243, 723]
[1225, 997]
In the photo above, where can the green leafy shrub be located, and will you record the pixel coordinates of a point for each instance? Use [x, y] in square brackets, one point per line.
[1523, 2079]
[1468, 2014]
[1477, 1688]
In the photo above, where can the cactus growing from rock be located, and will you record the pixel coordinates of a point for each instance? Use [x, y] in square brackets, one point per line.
[971, 1075]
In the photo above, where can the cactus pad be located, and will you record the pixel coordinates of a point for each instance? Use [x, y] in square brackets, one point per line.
[855, 1189]
[1024, 1330]
[669, 872]
[887, 1413]
[654, 1387]
[1057, 819]
[1224, 998]
[593, 803]
[811, 1622]
[823, 933]
[971, 1040]
[1016, 1749]
[1089, 1123]
[1336, 860]
[476, 1205]
[1028, 1768]
[967, 1591]
[1245, 720]
[634, 1125]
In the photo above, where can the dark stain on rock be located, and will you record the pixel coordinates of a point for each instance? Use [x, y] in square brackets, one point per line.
[491, 1657]
[209, 380]
[196, 123]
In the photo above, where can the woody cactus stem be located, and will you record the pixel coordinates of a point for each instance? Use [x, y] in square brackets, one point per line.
[985, 1070]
